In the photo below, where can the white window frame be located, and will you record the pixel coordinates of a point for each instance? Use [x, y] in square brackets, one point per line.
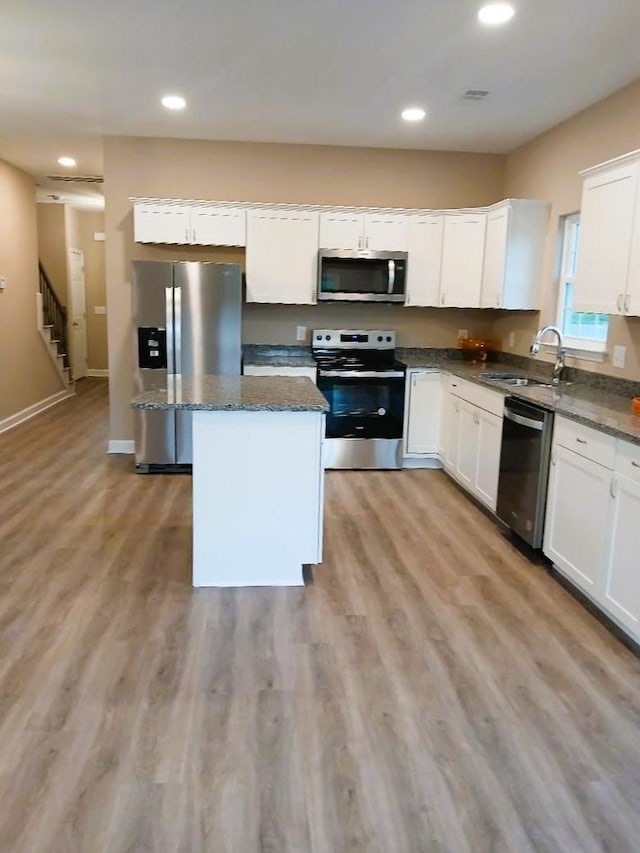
[580, 347]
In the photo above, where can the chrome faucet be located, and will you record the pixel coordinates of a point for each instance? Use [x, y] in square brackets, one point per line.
[558, 367]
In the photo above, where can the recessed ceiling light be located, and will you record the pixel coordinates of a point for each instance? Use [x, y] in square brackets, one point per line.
[494, 14]
[413, 114]
[174, 102]
[69, 162]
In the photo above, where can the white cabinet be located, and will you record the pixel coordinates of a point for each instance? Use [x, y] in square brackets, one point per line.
[621, 592]
[424, 264]
[213, 225]
[268, 370]
[282, 256]
[514, 247]
[462, 258]
[189, 224]
[471, 444]
[608, 267]
[155, 222]
[345, 229]
[422, 412]
[575, 536]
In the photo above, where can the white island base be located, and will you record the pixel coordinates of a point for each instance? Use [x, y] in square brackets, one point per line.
[257, 496]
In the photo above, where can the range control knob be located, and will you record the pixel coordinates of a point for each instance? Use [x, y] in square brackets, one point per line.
[318, 337]
[388, 339]
[327, 337]
[379, 337]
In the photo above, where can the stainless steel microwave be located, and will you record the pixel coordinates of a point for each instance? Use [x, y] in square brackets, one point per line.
[357, 276]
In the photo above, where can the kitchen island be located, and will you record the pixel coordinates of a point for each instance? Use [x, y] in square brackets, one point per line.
[257, 475]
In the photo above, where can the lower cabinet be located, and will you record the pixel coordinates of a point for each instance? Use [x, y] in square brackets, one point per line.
[577, 507]
[593, 516]
[423, 401]
[472, 438]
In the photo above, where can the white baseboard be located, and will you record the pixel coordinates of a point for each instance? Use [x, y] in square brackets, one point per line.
[121, 446]
[97, 372]
[35, 409]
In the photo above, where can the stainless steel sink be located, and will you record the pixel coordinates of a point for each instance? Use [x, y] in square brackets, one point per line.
[516, 380]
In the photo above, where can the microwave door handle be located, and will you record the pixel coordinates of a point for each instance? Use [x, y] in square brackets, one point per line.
[392, 277]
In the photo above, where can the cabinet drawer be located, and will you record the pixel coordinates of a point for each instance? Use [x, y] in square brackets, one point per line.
[483, 398]
[628, 460]
[587, 442]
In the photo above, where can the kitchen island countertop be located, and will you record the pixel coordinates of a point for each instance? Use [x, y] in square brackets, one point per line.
[233, 394]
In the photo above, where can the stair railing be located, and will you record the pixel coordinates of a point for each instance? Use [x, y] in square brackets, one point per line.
[54, 314]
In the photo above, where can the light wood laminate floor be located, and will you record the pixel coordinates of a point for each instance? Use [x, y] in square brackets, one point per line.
[430, 690]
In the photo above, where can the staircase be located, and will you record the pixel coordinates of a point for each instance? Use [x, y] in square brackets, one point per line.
[52, 325]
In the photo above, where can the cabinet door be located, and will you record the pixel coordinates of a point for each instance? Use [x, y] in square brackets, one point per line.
[160, 223]
[449, 428]
[468, 445]
[632, 296]
[621, 594]
[341, 230]
[495, 255]
[385, 232]
[425, 260]
[282, 256]
[606, 222]
[488, 467]
[575, 535]
[423, 412]
[218, 226]
[462, 254]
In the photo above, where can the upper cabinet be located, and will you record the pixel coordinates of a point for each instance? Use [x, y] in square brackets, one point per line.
[608, 267]
[189, 224]
[282, 256]
[513, 251]
[425, 259]
[462, 257]
[352, 230]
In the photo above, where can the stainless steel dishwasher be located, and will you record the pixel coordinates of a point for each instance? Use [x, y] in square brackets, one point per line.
[524, 469]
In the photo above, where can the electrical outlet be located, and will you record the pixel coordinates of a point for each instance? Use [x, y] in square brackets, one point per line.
[301, 333]
[619, 356]
[3, 282]
[463, 333]
[511, 340]
[99, 309]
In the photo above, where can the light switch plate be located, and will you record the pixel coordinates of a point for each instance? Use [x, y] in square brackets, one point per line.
[619, 356]
[463, 333]
[301, 333]
[99, 309]
[3, 282]
[511, 340]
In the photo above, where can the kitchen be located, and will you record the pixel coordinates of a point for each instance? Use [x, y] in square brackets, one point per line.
[430, 687]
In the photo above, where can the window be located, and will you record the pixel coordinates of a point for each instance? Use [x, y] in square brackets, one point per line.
[581, 330]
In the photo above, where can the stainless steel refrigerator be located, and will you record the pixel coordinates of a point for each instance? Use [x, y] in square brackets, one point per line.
[186, 321]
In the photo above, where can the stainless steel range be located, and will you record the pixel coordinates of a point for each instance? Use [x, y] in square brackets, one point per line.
[364, 386]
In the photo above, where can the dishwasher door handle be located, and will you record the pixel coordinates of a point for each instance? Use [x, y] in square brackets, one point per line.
[520, 419]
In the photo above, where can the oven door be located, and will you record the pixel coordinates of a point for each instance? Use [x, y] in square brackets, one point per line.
[363, 404]
[362, 276]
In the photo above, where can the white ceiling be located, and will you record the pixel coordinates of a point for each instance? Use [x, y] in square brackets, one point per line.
[327, 71]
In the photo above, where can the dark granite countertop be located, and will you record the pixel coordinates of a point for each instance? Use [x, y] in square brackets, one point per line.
[591, 405]
[277, 356]
[233, 394]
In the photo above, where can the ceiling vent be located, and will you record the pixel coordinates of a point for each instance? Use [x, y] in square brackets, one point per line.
[77, 179]
[475, 95]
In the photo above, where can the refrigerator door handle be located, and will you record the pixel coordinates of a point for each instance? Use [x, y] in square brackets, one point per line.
[168, 303]
[177, 327]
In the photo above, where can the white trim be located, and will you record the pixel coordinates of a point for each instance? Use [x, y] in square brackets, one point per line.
[121, 446]
[432, 461]
[97, 372]
[35, 409]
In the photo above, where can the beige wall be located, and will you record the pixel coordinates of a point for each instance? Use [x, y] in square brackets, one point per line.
[87, 223]
[27, 375]
[302, 174]
[548, 168]
[52, 246]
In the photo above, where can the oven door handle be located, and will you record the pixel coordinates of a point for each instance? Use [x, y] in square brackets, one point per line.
[519, 419]
[363, 374]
